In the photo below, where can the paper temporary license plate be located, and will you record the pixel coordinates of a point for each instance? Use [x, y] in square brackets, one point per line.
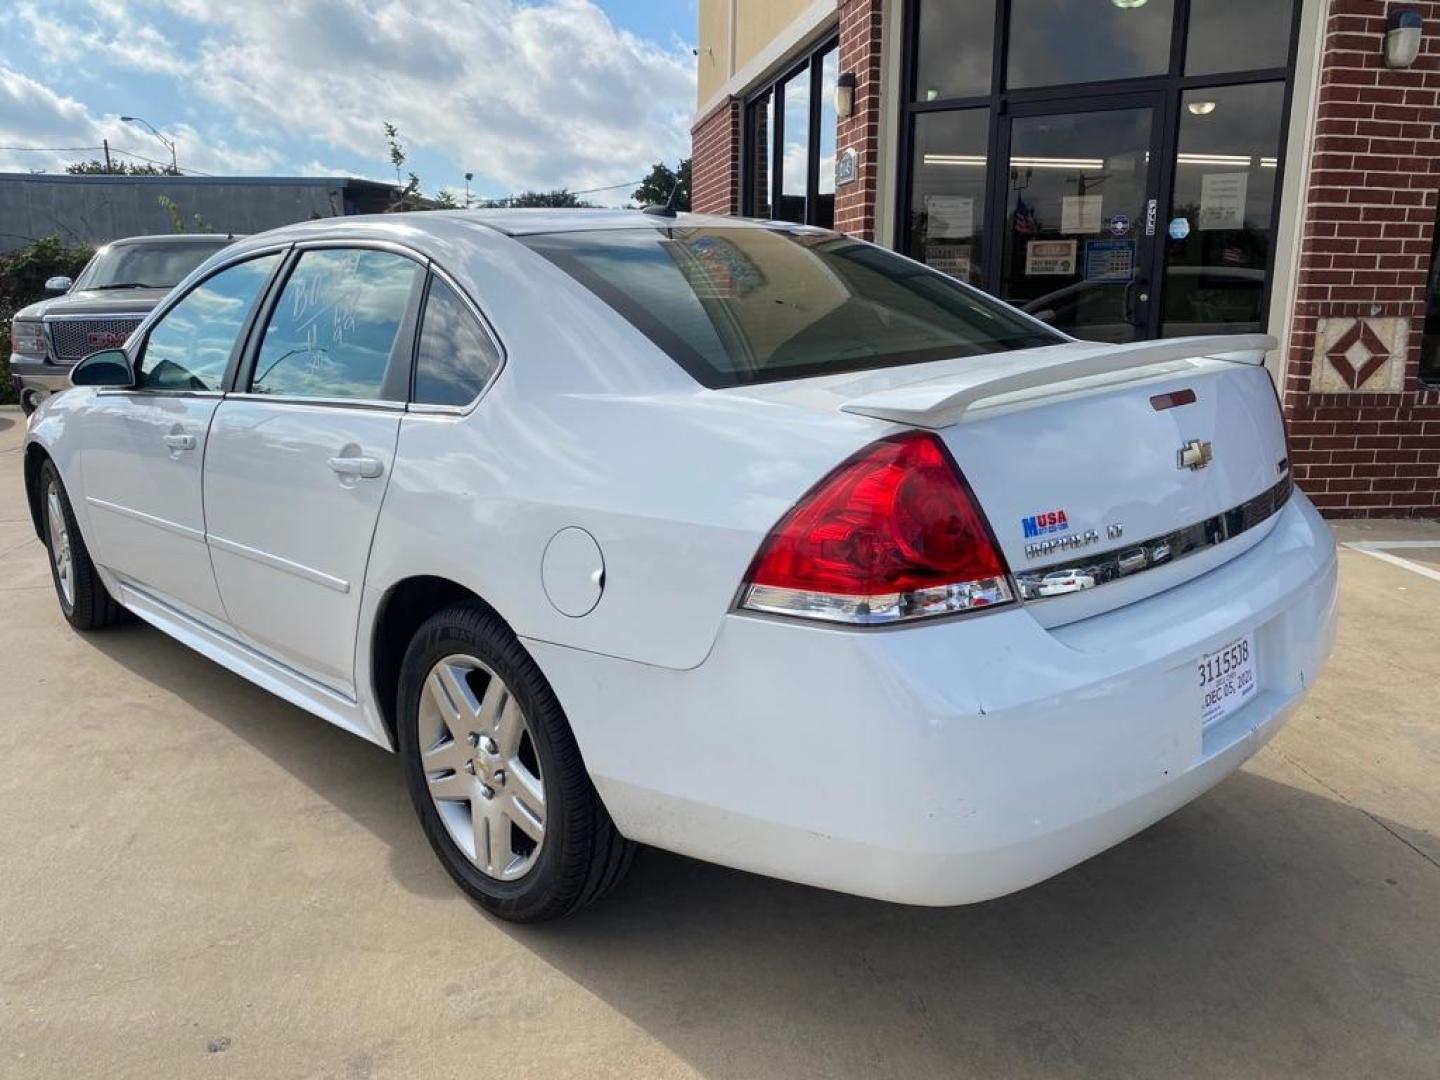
[1227, 679]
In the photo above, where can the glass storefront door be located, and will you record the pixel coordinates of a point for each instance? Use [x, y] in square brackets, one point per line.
[1114, 166]
[1081, 190]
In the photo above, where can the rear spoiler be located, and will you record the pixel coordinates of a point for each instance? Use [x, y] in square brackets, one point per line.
[938, 403]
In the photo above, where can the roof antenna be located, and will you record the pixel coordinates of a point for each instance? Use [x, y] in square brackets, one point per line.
[668, 210]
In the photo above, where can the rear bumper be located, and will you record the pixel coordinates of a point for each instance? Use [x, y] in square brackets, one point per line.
[956, 761]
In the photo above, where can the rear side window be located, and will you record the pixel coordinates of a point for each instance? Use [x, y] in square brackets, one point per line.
[189, 347]
[335, 330]
[456, 357]
[747, 305]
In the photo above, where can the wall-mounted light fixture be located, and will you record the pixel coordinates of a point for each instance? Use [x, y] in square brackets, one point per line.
[845, 94]
[1126, 4]
[1201, 108]
[1402, 38]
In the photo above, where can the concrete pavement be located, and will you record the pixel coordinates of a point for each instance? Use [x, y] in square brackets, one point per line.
[199, 880]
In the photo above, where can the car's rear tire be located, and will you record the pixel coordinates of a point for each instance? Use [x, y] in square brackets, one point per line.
[495, 774]
[84, 601]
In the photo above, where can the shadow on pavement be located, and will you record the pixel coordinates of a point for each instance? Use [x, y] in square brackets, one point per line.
[1259, 916]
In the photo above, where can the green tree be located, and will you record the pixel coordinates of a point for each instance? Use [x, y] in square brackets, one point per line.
[560, 198]
[120, 168]
[23, 273]
[655, 189]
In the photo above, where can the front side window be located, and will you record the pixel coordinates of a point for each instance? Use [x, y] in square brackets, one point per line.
[150, 265]
[189, 348]
[746, 305]
[456, 357]
[335, 330]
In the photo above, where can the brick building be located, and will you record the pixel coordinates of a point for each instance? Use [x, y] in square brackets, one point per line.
[1128, 169]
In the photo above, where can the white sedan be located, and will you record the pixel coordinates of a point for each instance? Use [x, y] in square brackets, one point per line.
[633, 528]
[1064, 581]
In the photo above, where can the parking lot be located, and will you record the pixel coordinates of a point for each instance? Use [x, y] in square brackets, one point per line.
[197, 879]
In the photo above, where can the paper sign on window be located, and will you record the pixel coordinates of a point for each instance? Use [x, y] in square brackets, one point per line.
[1050, 258]
[952, 217]
[1222, 200]
[952, 259]
[1081, 213]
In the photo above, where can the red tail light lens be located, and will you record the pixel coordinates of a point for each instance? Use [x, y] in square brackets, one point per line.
[892, 534]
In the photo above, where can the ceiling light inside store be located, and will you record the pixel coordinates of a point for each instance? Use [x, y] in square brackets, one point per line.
[1125, 4]
[1201, 108]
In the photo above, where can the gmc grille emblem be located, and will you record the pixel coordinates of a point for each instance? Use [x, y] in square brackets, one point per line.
[1195, 454]
[103, 339]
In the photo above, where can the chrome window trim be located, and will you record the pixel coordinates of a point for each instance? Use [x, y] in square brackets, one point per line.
[150, 392]
[1183, 542]
[371, 404]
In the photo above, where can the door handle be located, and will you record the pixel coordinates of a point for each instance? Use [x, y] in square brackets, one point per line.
[366, 468]
[180, 442]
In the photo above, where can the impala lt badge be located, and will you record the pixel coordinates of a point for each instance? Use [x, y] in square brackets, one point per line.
[1195, 454]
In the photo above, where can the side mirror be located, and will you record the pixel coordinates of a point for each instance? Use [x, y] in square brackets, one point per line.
[108, 367]
[1045, 316]
[58, 284]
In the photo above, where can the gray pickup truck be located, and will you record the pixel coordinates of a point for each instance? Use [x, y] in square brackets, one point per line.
[117, 288]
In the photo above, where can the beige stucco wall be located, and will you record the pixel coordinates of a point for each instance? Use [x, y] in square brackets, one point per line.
[757, 23]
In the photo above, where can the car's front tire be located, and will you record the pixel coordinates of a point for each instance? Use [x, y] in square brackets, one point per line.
[495, 774]
[84, 601]
[30, 401]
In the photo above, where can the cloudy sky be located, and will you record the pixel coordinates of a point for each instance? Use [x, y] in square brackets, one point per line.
[536, 94]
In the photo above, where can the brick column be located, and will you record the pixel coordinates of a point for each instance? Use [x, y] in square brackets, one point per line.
[860, 131]
[1365, 437]
[715, 160]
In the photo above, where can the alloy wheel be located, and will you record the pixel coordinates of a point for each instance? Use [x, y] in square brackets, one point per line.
[481, 767]
[60, 545]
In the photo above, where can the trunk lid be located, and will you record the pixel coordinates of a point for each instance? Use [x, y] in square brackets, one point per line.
[1114, 471]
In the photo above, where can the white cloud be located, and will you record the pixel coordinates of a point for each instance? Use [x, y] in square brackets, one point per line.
[33, 115]
[536, 95]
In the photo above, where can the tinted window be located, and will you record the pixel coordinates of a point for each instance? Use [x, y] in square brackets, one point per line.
[157, 265]
[1238, 35]
[1077, 41]
[190, 346]
[947, 194]
[954, 48]
[456, 357]
[1215, 275]
[335, 328]
[736, 305]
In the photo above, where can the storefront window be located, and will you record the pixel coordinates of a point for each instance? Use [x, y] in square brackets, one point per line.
[1218, 235]
[795, 148]
[824, 213]
[1081, 41]
[760, 124]
[1238, 35]
[790, 140]
[947, 205]
[954, 48]
[1430, 344]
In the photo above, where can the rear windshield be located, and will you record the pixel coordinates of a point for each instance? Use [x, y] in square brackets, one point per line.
[151, 265]
[742, 305]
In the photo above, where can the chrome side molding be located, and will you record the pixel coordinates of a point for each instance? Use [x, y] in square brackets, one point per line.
[1107, 566]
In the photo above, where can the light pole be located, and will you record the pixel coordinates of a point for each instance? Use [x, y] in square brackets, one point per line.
[168, 144]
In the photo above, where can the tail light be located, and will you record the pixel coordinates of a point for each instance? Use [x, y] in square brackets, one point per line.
[892, 534]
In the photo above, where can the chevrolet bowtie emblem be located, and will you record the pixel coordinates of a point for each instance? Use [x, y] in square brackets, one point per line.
[1195, 454]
